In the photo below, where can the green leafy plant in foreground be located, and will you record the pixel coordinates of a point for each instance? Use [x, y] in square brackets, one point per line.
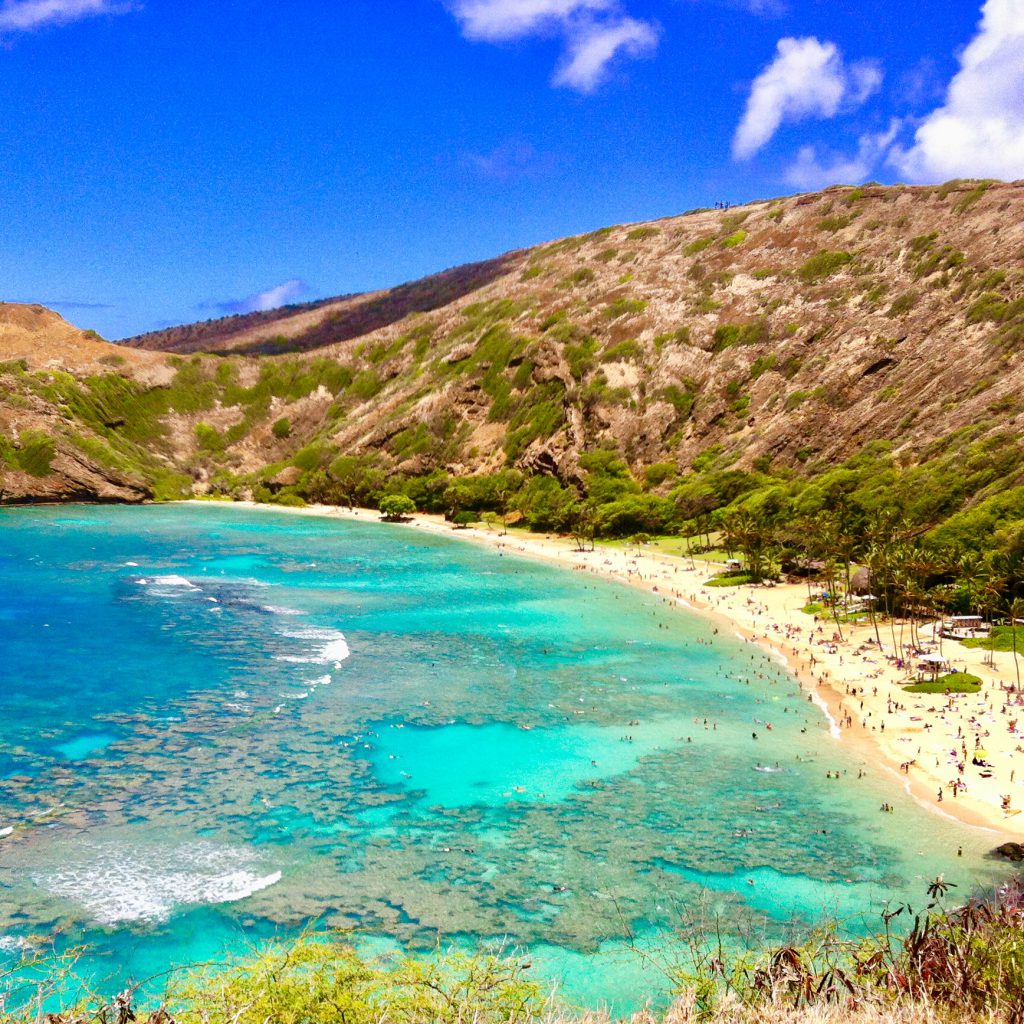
[959, 966]
[328, 982]
[939, 966]
[317, 979]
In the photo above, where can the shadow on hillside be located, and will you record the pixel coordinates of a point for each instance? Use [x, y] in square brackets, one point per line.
[360, 315]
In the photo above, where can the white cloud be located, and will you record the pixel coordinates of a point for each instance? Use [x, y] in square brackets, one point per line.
[512, 160]
[812, 170]
[919, 85]
[280, 295]
[807, 78]
[979, 131]
[261, 302]
[593, 32]
[26, 15]
[865, 79]
[497, 20]
[595, 46]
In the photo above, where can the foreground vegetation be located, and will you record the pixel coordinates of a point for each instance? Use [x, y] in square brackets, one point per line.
[961, 965]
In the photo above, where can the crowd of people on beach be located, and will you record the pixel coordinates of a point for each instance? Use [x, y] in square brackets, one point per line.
[855, 678]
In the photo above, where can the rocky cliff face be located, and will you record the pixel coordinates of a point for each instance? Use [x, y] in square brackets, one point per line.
[72, 476]
[43, 458]
[782, 334]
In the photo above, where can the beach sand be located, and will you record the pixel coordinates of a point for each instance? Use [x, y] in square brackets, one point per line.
[924, 742]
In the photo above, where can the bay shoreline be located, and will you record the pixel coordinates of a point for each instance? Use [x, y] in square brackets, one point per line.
[850, 680]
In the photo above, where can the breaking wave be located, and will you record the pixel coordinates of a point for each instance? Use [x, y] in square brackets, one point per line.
[117, 884]
[330, 646]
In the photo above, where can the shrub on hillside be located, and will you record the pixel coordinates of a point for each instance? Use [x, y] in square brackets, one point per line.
[35, 453]
[823, 265]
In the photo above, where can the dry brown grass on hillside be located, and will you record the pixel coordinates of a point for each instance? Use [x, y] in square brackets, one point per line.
[683, 1011]
[45, 340]
[781, 336]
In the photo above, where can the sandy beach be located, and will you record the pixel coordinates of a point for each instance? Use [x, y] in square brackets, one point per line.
[925, 742]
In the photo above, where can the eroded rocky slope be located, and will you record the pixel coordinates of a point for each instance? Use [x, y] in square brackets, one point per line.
[781, 335]
[45, 453]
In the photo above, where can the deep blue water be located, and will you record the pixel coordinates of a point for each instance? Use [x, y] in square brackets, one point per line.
[219, 725]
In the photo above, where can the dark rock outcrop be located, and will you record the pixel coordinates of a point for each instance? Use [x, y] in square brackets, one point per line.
[1010, 851]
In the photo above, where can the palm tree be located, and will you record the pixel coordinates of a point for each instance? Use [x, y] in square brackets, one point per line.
[772, 564]
[796, 536]
[704, 523]
[927, 566]
[902, 556]
[991, 583]
[830, 569]
[846, 542]
[876, 562]
[751, 533]
[1016, 609]
[879, 537]
[941, 600]
[822, 542]
[972, 573]
[882, 559]
[990, 597]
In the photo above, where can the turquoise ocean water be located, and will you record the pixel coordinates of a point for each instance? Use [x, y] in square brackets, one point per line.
[220, 725]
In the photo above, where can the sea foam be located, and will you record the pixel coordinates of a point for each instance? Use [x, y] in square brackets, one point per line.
[116, 883]
[332, 647]
[169, 584]
[174, 581]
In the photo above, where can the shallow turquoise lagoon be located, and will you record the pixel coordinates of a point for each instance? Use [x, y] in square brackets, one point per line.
[220, 725]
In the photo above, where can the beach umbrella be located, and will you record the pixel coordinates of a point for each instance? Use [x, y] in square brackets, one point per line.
[935, 659]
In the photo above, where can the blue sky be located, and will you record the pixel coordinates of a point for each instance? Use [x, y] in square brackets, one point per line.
[163, 162]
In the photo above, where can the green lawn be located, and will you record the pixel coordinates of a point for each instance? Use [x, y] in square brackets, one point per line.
[1001, 639]
[951, 682]
[678, 546]
[736, 579]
